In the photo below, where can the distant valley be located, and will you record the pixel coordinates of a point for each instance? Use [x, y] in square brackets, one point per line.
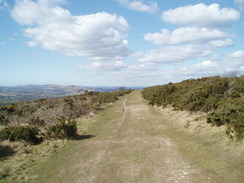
[14, 94]
[20, 93]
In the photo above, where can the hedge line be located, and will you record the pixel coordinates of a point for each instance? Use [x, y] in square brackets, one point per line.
[221, 97]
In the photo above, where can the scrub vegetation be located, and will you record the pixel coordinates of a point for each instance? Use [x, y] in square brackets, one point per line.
[221, 97]
[28, 130]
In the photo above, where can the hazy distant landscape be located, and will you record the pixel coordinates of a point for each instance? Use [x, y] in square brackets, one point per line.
[14, 94]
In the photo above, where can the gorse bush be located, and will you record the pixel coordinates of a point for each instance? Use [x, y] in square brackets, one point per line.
[63, 129]
[230, 114]
[17, 133]
[221, 96]
[194, 95]
[8, 108]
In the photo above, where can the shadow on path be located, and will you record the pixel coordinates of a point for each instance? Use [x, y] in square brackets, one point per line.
[84, 137]
[5, 151]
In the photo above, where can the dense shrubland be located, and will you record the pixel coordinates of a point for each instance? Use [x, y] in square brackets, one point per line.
[51, 118]
[221, 97]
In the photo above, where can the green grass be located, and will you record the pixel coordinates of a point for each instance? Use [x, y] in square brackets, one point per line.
[73, 148]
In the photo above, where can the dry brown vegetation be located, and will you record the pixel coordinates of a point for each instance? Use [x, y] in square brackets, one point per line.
[31, 132]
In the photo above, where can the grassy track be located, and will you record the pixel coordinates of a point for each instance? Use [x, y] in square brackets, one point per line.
[132, 142]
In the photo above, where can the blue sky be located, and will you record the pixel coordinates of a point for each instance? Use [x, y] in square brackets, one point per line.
[119, 42]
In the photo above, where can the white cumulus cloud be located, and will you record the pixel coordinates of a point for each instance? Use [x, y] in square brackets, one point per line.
[185, 35]
[140, 6]
[201, 15]
[221, 43]
[231, 62]
[99, 66]
[237, 55]
[205, 68]
[207, 64]
[173, 54]
[100, 36]
[236, 59]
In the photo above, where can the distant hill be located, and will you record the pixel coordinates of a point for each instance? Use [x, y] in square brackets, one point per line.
[20, 93]
[14, 94]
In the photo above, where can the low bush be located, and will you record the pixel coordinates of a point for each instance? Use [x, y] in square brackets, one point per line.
[18, 133]
[230, 114]
[63, 129]
[37, 122]
[3, 120]
[25, 109]
[108, 97]
[222, 97]
[8, 108]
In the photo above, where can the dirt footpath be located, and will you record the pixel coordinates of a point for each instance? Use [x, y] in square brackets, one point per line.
[133, 143]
